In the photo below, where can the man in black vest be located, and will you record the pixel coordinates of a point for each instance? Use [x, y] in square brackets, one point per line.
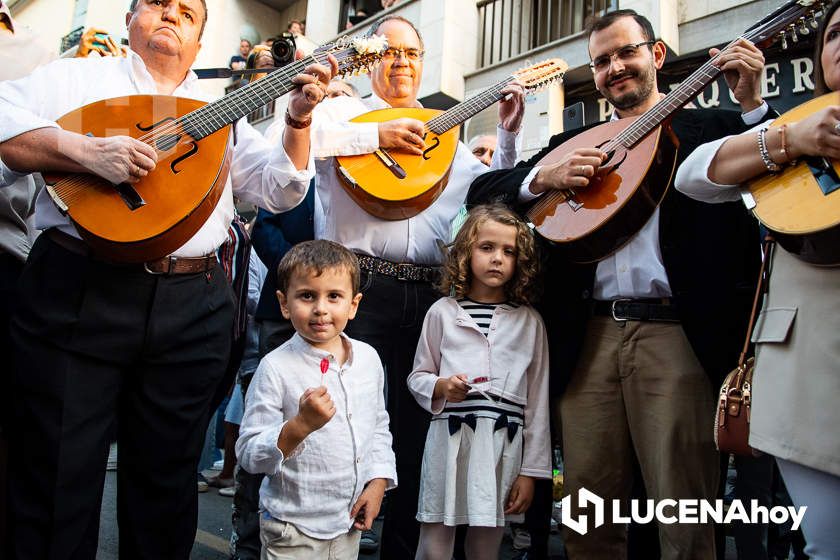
[640, 338]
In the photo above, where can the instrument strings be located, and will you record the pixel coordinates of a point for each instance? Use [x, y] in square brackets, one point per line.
[71, 186]
[641, 126]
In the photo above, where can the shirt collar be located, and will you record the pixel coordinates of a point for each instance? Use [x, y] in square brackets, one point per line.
[315, 355]
[376, 102]
[144, 80]
[6, 18]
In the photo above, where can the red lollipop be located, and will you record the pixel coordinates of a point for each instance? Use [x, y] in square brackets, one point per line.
[325, 365]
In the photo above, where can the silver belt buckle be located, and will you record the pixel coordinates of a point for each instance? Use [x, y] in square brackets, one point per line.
[612, 310]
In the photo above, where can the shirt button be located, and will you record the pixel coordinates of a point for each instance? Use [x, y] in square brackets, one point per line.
[350, 415]
[358, 459]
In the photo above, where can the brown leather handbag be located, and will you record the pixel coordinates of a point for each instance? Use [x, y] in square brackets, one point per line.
[732, 420]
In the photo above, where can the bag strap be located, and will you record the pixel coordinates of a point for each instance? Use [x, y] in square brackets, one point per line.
[763, 275]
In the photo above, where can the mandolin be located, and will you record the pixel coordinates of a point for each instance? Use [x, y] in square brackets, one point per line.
[592, 223]
[801, 205]
[158, 214]
[396, 185]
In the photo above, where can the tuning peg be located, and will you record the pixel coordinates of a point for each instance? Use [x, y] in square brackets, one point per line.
[814, 23]
[793, 36]
[803, 27]
[783, 37]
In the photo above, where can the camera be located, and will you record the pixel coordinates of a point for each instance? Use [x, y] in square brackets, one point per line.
[283, 49]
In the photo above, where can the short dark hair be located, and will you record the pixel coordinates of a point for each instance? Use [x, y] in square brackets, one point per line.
[598, 23]
[393, 17]
[133, 7]
[317, 256]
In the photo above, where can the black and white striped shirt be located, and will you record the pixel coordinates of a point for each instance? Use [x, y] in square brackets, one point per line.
[482, 313]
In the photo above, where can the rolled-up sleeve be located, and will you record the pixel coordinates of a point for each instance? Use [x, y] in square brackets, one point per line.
[264, 175]
[20, 105]
[507, 149]
[692, 177]
[264, 418]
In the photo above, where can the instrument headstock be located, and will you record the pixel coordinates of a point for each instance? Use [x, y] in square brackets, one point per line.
[542, 73]
[355, 55]
[792, 19]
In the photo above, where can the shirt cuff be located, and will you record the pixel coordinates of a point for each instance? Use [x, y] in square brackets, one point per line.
[506, 139]
[269, 453]
[525, 194]
[384, 472]
[756, 115]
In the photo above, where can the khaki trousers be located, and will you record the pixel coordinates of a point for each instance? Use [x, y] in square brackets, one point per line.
[639, 390]
[283, 541]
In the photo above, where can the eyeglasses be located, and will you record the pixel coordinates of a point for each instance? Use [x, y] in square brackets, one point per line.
[627, 52]
[410, 53]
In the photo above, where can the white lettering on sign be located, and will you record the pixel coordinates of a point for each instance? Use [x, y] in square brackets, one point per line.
[605, 109]
[714, 96]
[768, 79]
[803, 71]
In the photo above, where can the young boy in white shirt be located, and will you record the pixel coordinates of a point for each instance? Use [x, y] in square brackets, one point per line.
[315, 419]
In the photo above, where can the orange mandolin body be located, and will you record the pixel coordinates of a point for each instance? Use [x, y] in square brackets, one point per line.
[376, 185]
[178, 195]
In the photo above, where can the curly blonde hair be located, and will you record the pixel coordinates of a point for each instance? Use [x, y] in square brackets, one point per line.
[457, 275]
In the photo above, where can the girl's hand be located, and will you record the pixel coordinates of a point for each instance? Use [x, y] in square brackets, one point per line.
[453, 389]
[521, 495]
[816, 135]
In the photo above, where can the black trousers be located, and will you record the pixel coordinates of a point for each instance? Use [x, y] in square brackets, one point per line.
[390, 318]
[10, 269]
[99, 345]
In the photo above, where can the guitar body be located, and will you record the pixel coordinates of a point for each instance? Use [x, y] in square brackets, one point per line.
[599, 219]
[176, 198]
[804, 214]
[380, 190]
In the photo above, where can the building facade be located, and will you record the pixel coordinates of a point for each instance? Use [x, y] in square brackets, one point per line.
[472, 44]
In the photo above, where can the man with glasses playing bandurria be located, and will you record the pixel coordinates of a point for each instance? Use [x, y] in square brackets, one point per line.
[391, 317]
[641, 390]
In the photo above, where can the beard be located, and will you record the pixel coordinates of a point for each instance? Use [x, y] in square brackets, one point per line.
[636, 96]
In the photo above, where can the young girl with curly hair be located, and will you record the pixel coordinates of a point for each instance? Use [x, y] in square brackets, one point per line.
[481, 369]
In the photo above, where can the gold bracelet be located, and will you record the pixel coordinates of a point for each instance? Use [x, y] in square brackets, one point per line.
[783, 140]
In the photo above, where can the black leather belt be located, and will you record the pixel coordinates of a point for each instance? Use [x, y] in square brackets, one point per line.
[163, 266]
[638, 310]
[408, 272]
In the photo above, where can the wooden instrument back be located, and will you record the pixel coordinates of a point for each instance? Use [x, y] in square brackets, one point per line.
[380, 189]
[179, 194]
[804, 216]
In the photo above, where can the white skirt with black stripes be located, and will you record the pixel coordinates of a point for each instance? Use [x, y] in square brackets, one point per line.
[473, 455]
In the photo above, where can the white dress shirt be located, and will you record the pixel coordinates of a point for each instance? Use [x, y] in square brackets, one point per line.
[315, 487]
[636, 270]
[415, 240]
[259, 174]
